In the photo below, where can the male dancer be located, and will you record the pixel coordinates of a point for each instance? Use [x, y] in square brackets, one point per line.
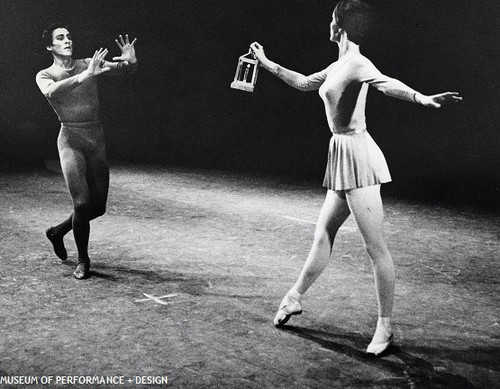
[70, 86]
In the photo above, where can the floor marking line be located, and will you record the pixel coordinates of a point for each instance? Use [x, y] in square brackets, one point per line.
[298, 220]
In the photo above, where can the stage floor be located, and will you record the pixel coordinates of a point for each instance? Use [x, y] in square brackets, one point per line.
[218, 251]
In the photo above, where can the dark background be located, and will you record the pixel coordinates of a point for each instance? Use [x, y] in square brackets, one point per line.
[179, 109]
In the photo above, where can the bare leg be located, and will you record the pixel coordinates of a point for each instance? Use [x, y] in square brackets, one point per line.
[366, 206]
[333, 214]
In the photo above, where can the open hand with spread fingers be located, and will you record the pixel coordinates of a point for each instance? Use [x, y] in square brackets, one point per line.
[127, 48]
[97, 64]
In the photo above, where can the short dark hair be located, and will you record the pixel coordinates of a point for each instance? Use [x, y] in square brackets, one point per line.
[47, 33]
[356, 18]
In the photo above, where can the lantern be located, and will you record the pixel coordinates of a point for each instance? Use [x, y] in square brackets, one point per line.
[246, 73]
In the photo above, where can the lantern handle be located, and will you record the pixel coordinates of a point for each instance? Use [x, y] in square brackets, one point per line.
[251, 53]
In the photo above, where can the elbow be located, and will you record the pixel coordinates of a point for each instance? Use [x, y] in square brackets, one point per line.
[302, 88]
[385, 91]
[306, 85]
[381, 88]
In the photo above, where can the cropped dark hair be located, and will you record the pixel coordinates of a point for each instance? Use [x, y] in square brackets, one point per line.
[47, 33]
[356, 18]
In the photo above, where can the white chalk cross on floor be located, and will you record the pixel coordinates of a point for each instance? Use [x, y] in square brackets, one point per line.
[157, 300]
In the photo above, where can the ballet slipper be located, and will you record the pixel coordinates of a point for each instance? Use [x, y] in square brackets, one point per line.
[289, 306]
[82, 270]
[381, 341]
[57, 244]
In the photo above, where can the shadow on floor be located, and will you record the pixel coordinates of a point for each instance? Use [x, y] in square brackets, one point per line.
[418, 372]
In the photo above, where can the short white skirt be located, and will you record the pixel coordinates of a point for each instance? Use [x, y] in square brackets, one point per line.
[355, 161]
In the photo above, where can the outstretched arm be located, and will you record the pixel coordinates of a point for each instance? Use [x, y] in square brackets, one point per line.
[391, 87]
[292, 78]
[54, 89]
[127, 61]
[395, 88]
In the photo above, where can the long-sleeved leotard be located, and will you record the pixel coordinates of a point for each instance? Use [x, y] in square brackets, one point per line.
[75, 102]
[343, 86]
[354, 159]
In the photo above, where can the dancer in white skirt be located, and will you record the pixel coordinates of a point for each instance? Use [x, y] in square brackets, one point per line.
[356, 166]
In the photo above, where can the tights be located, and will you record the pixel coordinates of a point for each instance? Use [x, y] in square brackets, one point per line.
[366, 206]
[83, 160]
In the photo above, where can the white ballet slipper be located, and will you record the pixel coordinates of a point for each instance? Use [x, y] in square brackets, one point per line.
[380, 342]
[289, 306]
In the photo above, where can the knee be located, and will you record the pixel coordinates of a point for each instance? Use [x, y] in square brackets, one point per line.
[377, 250]
[323, 238]
[89, 211]
[83, 210]
[98, 211]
